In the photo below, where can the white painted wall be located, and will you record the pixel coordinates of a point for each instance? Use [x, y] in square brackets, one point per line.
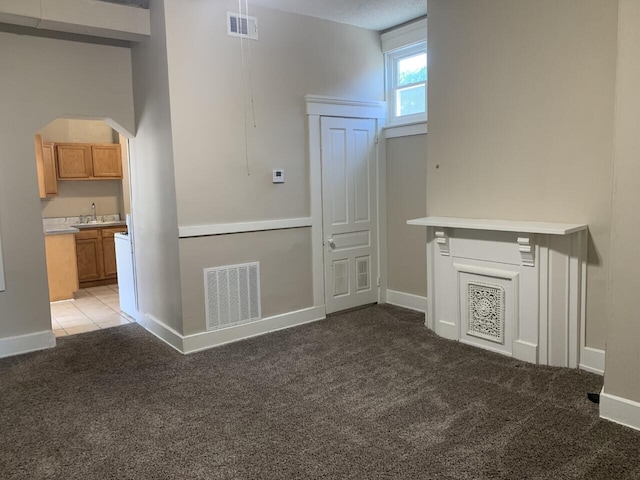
[44, 79]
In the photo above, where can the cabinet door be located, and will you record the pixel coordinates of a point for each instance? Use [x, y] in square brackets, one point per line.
[107, 162]
[74, 161]
[50, 170]
[109, 251]
[89, 255]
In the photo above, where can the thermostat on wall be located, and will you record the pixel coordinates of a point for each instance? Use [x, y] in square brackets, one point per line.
[278, 176]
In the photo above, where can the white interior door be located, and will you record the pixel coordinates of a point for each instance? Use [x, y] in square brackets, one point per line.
[349, 212]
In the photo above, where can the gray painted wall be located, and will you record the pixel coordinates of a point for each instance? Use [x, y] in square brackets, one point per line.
[75, 198]
[44, 79]
[209, 89]
[153, 202]
[406, 195]
[521, 119]
[623, 347]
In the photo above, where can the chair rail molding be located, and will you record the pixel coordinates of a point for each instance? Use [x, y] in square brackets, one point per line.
[516, 288]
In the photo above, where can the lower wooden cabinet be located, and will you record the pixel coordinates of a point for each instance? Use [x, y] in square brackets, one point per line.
[61, 272]
[96, 256]
[89, 254]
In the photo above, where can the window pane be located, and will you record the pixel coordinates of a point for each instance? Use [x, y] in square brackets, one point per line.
[411, 70]
[411, 100]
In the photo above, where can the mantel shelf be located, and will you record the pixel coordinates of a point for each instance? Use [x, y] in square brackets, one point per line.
[547, 228]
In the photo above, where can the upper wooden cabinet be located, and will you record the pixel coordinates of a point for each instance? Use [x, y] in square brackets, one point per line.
[107, 162]
[74, 161]
[80, 161]
[46, 167]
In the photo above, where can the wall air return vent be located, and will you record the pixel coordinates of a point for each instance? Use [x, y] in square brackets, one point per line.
[239, 25]
[232, 295]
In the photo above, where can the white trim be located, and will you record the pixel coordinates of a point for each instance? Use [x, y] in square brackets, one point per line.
[340, 107]
[31, 342]
[315, 180]
[243, 227]
[406, 35]
[592, 360]
[525, 351]
[381, 179]
[316, 107]
[620, 410]
[407, 300]
[3, 286]
[395, 131]
[203, 341]
[547, 228]
[160, 330]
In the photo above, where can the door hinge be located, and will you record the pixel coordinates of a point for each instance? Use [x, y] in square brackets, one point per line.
[376, 138]
[378, 281]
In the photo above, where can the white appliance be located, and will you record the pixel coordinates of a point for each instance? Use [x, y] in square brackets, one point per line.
[126, 277]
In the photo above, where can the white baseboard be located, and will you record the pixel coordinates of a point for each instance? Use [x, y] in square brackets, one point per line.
[162, 331]
[620, 410]
[205, 340]
[407, 300]
[592, 360]
[31, 342]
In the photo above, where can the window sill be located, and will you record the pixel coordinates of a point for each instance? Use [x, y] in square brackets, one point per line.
[395, 131]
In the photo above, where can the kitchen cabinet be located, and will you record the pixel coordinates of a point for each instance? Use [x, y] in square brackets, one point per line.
[83, 161]
[89, 255]
[96, 256]
[46, 168]
[61, 269]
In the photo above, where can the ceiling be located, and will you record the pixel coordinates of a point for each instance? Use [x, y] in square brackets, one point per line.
[372, 14]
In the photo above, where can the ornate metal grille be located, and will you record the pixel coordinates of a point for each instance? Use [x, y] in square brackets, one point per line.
[485, 311]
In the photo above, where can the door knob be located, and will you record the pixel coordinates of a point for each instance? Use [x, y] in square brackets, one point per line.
[332, 244]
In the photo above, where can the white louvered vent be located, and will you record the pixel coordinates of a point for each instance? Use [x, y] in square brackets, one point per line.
[239, 25]
[363, 273]
[232, 295]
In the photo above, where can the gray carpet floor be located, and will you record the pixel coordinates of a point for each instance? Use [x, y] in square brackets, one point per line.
[369, 394]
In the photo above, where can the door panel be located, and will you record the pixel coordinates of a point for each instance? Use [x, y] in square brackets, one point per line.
[349, 212]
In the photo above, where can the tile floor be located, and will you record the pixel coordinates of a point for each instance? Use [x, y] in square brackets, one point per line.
[93, 308]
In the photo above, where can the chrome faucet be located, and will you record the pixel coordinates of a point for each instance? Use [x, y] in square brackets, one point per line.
[93, 212]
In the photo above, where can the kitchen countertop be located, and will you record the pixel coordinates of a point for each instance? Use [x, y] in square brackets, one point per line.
[60, 229]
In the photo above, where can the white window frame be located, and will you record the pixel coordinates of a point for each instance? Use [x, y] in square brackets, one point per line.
[398, 43]
[392, 60]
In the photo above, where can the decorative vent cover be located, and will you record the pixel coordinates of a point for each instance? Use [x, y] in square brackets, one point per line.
[485, 311]
[232, 295]
[363, 273]
[239, 25]
[340, 277]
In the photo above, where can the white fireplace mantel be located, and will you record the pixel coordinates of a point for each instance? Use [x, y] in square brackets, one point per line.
[516, 288]
[547, 228]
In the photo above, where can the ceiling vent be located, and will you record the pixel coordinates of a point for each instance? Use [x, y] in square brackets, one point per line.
[239, 25]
